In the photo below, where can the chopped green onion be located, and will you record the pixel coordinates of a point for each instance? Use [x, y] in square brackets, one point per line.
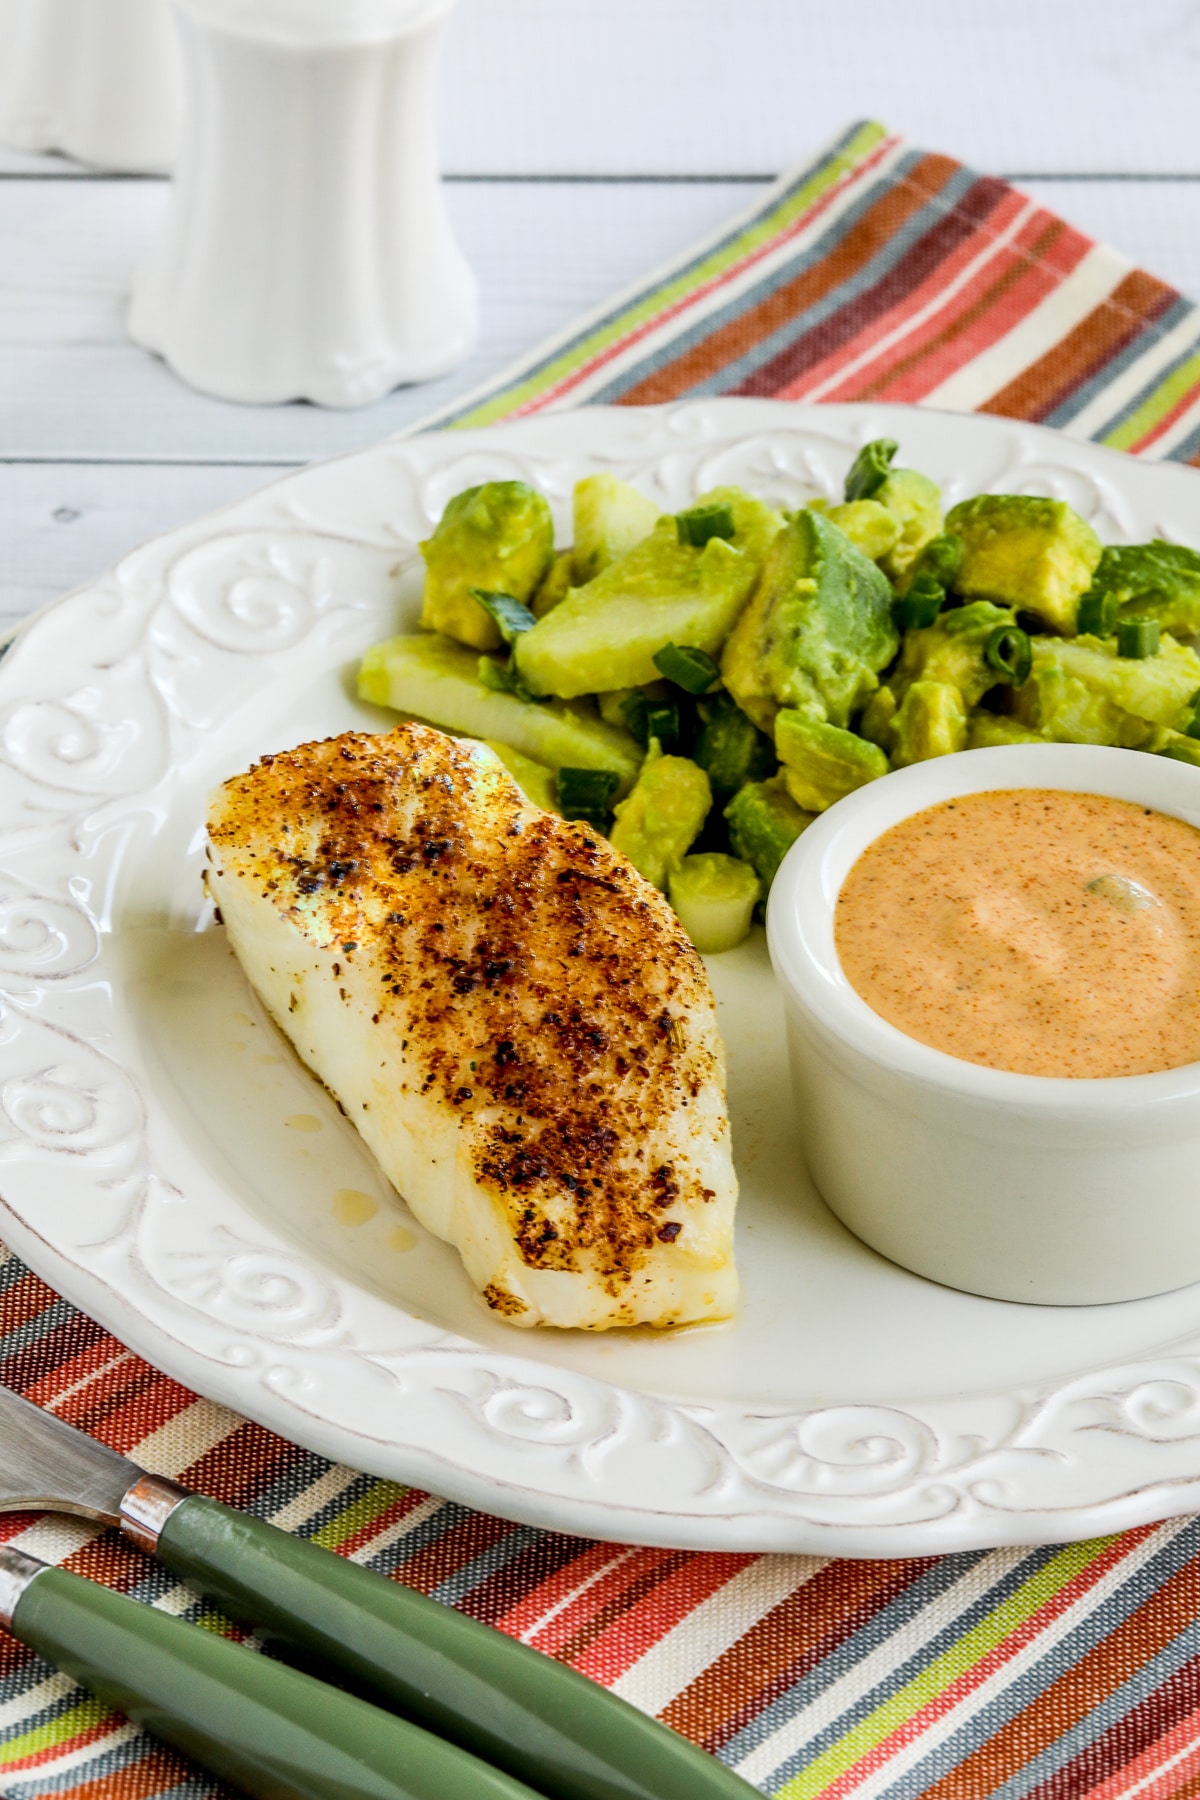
[1191, 726]
[1097, 615]
[1009, 652]
[502, 678]
[921, 605]
[510, 615]
[691, 669]
[663, 723]
[704, 522]
[586, 794]
[1137, 638]
[730, 749]
[633, 710]
[941, 558]
[870, 468]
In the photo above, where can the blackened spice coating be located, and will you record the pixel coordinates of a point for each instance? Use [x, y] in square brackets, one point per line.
[547, 994]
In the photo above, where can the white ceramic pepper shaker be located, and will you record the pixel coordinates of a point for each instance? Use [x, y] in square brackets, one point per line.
[307, 254]
[98, 79]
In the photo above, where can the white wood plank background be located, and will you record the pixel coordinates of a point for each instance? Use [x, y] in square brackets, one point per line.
[587, 140]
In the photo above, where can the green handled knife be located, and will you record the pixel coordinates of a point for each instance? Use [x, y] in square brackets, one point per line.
[510, 1706]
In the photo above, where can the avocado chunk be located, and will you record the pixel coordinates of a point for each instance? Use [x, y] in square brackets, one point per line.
[994, 731]
[1155, 688]
[715, 896]
[499, 537]
[915, 502]
[823, 763]
[535, 780]
[606, 634]
[1062, 709]
[555, 585]
[610, 518]
[870, 527]
[1027, 551]
[953, 650]
[663, 816]
[1155, 581]
[764, 822]
[931, 721]
[817, 631]
[432, 678]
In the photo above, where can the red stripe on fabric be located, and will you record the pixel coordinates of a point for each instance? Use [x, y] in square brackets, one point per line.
[22, 1301]
[53, 1348]
[695, 296]
[103, 1354]
[1084, 1684]
[571, 1635]
[527, 1572]
[736, 331]
[677, 1591]
[973, 1678]
[1169, 419]
[1006, 290]
[793, 1638]
[1081, 355]
[523, 1617]
[158, 1772]
[68, 1747]
[469, 1538]
[245, 1465]
[124, 1405]
[383, 1521]
[949, 231]
[1175, 1700]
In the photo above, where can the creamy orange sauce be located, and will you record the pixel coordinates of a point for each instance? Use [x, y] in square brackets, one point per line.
[1029, 929]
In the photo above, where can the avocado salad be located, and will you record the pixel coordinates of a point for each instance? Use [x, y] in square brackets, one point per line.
[701, 685]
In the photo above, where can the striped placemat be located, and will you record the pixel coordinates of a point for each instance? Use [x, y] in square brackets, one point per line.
[882, 272]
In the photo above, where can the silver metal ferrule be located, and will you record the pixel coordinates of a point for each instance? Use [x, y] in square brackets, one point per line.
[16, 1572]
[146, 1507]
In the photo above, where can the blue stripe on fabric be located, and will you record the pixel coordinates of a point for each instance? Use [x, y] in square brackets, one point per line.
[1029, 1683]
[1102, 1718]
[711, 247]
[1148, 387]
[733, 374]
[889, 1623]
[59, 1312]
[497, 1556]
[1146, 338]
[1186, 448]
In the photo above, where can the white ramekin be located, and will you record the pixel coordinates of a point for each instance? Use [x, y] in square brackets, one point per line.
[1020, 1187]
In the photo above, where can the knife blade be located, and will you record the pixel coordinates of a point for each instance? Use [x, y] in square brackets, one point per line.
[517, 1710]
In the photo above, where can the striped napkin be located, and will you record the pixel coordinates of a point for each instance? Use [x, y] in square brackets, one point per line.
[876, 272]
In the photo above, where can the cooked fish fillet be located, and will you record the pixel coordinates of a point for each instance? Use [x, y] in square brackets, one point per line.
[511, 1016]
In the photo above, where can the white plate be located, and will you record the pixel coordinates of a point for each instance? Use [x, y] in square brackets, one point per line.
[168, 1165]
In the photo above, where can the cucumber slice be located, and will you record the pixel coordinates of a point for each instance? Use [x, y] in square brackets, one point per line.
[431, 678]
[715, 897]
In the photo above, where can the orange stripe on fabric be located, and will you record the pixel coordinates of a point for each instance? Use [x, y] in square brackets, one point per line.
[125, 1405]
[23, 1300]
[987, 1666]
[677, 1590]
[1010, 282]
[67, 1747]
[732, 340]
[792, 1638]
[1137, 300]
[986, 311]
[635, 1573]
[553, 395]
[523, 1618]
[428, 1567]
[157, 1772]
[104, 1354]
[243, 1465]
[1170, 1610]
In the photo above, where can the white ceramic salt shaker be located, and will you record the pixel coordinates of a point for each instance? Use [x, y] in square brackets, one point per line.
[307, 254]
[98, 79]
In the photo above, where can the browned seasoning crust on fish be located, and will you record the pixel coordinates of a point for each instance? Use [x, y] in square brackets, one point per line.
[543, 988]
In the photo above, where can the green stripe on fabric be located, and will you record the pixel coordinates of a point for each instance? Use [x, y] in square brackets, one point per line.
[946, 1669]
[359, 1514]
[51, 1734]
[657, 300]
[1166, 396]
